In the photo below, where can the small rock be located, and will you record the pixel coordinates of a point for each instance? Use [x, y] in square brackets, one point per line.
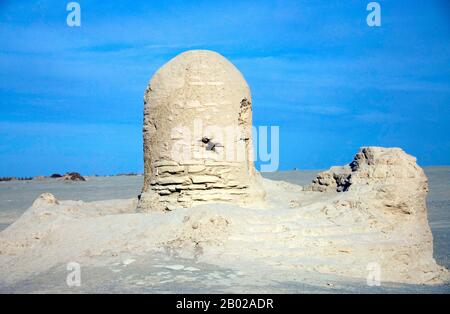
[73, 176]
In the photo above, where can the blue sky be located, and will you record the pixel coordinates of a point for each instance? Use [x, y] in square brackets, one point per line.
[71, 98]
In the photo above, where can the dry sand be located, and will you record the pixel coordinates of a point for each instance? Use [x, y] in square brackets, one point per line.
[151, 253]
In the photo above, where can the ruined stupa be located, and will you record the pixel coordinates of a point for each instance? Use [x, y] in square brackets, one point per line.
[198, 134]
[366, 220]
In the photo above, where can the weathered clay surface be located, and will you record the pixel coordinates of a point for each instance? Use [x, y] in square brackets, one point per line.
[197, 134]
[390, 185]
[378, 223]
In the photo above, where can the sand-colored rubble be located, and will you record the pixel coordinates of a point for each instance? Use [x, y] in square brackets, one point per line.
[380, 219]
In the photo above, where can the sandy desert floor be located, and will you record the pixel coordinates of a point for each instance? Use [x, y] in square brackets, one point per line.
[164, 272]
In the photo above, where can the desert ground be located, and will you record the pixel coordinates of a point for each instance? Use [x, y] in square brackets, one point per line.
[168, 272]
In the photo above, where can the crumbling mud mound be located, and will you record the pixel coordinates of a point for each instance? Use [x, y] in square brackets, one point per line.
[388, 184]
[378, 221]
[198, 135]
[200, 230]
[72, 176]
